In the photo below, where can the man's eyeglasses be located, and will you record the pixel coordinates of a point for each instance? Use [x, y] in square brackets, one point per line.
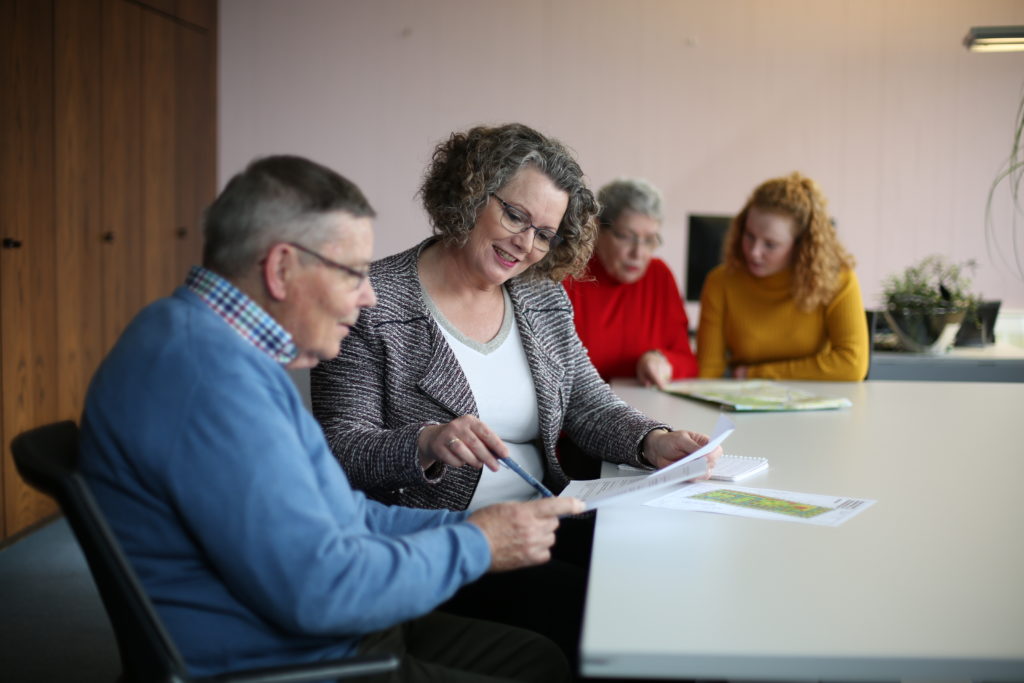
[651, 242]
[515, 221]
[359, 275]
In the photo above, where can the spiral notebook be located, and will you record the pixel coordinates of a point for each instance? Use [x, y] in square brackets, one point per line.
[736, 467]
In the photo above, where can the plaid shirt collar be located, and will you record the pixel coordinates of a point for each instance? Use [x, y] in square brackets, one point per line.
[243, 314]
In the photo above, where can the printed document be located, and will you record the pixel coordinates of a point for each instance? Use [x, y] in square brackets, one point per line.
[598, 493]
[784, 506]
[755, 395]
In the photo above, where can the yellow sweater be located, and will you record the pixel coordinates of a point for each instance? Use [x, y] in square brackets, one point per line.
[755, 322]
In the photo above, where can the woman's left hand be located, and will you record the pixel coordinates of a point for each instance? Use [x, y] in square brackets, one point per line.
[662, 448]
[653, 368]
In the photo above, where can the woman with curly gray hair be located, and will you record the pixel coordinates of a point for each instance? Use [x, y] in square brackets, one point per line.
[628, 310]
[470, 361]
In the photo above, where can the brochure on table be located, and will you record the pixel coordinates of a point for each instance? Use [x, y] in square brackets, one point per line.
[784, 506]
[755, 396]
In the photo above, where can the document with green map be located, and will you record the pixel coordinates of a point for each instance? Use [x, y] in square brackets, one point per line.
[782, 506]
[755, 395]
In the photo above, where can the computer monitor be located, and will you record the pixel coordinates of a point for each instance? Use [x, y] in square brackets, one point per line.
[703, 250]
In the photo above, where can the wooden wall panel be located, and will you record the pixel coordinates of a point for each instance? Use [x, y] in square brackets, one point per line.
[27, 317]
[121, 191]
[158, 155]
[201, 13]
[78, 176]
[196, 133]
[165, 7]
[108, 115]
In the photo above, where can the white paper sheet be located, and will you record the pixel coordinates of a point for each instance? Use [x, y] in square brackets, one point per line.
[616, 491]
[785, 506]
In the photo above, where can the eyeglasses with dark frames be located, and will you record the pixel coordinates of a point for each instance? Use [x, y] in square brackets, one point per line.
[359, 275]
[516, 221]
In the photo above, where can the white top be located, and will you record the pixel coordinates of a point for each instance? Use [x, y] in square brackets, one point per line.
[928, 583]
[499, 376]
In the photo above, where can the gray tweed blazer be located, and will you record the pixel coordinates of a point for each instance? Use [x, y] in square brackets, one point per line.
[396, 372]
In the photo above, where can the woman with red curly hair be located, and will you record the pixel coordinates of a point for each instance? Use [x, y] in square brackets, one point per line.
[785, 303]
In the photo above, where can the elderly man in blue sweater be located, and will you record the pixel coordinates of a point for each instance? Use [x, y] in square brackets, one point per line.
[219, 484]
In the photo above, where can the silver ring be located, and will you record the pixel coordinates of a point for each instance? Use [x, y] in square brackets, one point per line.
[452, 442]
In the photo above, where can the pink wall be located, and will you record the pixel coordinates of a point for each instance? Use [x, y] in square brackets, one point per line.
[876, 99]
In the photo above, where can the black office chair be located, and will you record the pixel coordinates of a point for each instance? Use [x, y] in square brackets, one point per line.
[46, 458]
[871, 317]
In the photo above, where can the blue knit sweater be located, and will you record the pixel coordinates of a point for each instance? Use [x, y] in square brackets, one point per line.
[238, 520]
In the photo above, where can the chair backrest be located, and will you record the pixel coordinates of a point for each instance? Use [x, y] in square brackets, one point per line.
[46, 457]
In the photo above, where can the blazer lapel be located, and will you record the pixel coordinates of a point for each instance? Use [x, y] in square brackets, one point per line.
[547, 373]
[443, 381]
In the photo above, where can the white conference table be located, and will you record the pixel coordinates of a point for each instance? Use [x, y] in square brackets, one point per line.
[928, 583]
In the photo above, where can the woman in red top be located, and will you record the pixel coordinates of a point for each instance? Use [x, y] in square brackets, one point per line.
[628, 312]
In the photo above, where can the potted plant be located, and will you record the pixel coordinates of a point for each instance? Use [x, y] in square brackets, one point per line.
[1012, 175]
[925, 303]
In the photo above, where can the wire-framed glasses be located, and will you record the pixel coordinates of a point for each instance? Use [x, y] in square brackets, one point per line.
[650, 242]
[515, 221]
[359, 275]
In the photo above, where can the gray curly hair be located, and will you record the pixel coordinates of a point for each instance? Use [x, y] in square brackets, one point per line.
[469, 166]
[628, 194]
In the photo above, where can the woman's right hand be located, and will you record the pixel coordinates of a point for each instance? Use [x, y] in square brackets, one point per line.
[465, 440]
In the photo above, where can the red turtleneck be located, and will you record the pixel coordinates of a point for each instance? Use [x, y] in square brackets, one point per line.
[618, 322]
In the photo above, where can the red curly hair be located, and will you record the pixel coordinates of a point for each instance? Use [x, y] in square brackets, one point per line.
[818, 257]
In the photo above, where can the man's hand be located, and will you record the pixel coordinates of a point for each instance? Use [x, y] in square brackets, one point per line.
[653, 368]
[662, 448]
[521, 534]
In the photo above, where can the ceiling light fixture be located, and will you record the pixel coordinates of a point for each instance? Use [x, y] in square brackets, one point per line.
[995, 39]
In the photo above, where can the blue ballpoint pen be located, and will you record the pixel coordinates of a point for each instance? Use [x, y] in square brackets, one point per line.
[526, 476]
